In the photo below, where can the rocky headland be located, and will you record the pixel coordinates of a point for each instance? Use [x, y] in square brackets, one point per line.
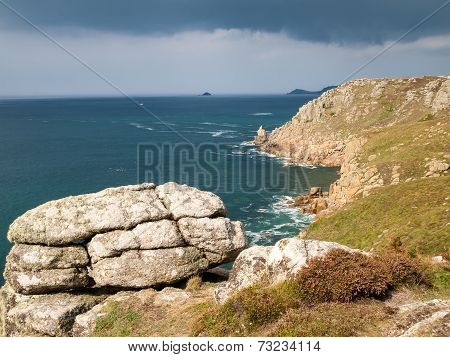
[307, 92]
[365, 127]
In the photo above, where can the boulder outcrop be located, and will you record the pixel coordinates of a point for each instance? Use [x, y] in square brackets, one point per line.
[312, 203]
[273, 264]
[129, 237]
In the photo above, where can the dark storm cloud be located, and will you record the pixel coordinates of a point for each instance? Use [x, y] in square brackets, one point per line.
[345, 21]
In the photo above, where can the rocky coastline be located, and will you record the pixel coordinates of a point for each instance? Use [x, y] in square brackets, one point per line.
[153, 251]
[333, 129]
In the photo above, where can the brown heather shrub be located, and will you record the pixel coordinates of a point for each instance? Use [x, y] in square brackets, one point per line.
[404, 270]
[341, 276]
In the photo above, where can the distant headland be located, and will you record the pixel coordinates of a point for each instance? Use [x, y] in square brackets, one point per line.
[302, 91]
[206, 94]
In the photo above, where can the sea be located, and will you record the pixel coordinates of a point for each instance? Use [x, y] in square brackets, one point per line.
[55, 147]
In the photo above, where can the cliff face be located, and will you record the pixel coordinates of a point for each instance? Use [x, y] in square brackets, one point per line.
[346, 123]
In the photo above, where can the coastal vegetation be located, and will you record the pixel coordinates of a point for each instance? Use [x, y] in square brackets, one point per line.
[340, 294]
[407, 217]
[348, 286]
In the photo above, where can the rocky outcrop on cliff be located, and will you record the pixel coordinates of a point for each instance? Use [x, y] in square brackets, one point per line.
[69, 254]
[261, 136]
[314, 202]
[334, 129]
[272, 264]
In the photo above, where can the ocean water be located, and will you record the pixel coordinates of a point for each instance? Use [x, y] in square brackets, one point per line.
[52, 148]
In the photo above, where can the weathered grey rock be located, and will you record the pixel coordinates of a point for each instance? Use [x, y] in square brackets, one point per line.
[185, 201]
[42, 315]
[150, 235]
[78, 218]
[290, 255]
[422, 318]
[438, 259]
[123, 238]
[47, 281]
[436, 167]
[220, 239]
[274, 264]
[249, 268]
[146, 268]
[315, 191]
[37, 257]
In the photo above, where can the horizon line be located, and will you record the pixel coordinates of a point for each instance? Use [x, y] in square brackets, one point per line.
[87, 96]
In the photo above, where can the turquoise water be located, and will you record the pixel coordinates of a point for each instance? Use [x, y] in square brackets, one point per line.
[51, 148]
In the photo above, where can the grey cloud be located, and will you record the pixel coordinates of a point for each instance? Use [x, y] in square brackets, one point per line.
[221, 61]
[349, 21]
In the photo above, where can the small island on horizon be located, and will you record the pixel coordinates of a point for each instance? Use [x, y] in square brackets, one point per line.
[206, 94]
[302, 91]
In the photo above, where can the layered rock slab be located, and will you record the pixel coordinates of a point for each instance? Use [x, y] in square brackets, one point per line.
[185, 201]
[145, 236]
[225, 238]
[38, 257]
[36, 269]
[146, 268]
[47, 281]
[76, 218]
[42, 315]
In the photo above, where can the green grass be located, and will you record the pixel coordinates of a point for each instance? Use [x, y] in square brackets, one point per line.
[360, 318]
[411, 217]
[429, 116]
[333, 319]
[248, 310]
[117, 321]
[439, 276]
[406, 145]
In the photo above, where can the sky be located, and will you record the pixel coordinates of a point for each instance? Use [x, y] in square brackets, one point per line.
[170, 47]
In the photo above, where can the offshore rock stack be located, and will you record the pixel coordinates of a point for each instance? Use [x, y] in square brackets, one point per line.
[71, 254]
